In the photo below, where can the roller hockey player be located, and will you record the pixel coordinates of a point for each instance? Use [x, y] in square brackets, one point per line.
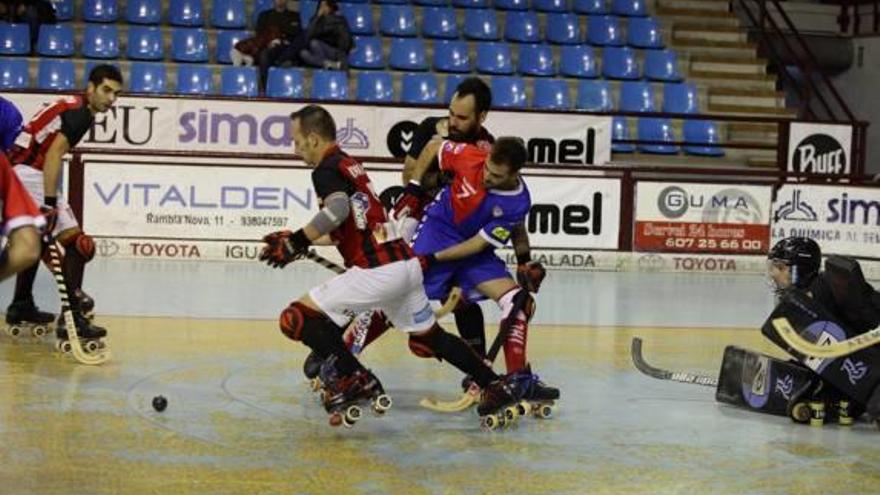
[383, 273]
[826, 306]
[49, 135]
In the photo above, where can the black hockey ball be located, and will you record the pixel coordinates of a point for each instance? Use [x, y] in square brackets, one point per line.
[160, 403]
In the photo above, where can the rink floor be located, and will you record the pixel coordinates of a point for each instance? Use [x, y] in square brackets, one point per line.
[240, 418]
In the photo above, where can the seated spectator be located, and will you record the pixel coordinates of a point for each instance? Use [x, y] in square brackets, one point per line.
[328, 38]
[33, 12]
[276, 29]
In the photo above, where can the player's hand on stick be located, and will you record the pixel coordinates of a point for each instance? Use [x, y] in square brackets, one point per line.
[530, 275]
[411, 203]
[284, 247]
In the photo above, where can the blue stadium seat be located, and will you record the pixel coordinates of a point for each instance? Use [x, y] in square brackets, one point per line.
[375, 87]
[701, 131]
[494, 58]
[644, 32]
[550, 5]
[439, 22]
[262, 5]
[563, 28]
[186, 13]
[367, 53]
[101, 41]
[15, 39]
[551, 94]
[408, 54]
[398, 20]
[590, 7]
[228, 14]
[285, 83]
[511, 4]
[536, 60]
[189, 45]
[147, 77]
[620, 132]
[329, 85]
[472, 4]
[451, 56]
[143, 11]
[522, 27]
[452, 82]
[14, 73]
[55, 40]
[656, 129]
[680, 98]
[145, 43]
[481, 24]
[629, 8]
[100, 11]
[604, 30]
[594, 96]
[226, 39]
[620, 63]
[508, 92]
[359, 17]
[578, 61]
[307, 9]
[662, 65]
[56, 74]
[636, 96]
[64, 10]
[432, 3]
[393, 1]
[194, 79]
[238, 81]
[419, 88]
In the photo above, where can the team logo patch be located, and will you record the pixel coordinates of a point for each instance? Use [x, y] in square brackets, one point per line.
[497, 211]
[501, 233]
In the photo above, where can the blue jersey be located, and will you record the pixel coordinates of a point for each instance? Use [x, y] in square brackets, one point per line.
[466, 208]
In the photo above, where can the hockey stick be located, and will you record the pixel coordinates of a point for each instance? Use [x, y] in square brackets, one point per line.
[100, 355]
[830, 350]
[472, 394]
[661, 374]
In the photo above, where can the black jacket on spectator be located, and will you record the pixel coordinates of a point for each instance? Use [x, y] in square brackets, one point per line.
[331, 29]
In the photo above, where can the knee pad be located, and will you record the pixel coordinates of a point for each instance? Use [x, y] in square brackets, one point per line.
[83, 244]
[422, 345]
[293, 318]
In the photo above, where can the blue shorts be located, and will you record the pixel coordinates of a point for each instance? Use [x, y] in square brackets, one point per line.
[466, 273]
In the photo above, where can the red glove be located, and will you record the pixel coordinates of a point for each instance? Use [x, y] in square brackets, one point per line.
[411, 203]
[426, 261]
[283, 247]
[530, 274]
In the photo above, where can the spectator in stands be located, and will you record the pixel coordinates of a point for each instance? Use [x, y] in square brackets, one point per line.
[328, 38]
[278, 34]
[33, 12]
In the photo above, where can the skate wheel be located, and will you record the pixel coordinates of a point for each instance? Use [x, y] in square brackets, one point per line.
[382, 403]
[66, 347]
[543, 411]
[800, 413]
[15, 330]
[522, 408]
[353, 414]
[335, 419]
[39, 331]
[92, 346]
[490, 422]
[511, 413]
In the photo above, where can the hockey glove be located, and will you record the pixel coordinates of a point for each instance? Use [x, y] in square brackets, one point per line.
[530, 274]
[411, 203]
[283, 247]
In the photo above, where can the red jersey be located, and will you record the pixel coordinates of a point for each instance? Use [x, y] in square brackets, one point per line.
[69, 116]
[466, 162]
[18, 208]
[362, 237]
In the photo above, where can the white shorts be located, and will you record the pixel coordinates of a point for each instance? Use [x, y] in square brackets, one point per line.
[32, 179]
[395, 288]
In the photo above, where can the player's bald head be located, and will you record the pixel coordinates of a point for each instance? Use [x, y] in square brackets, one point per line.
[315, 119]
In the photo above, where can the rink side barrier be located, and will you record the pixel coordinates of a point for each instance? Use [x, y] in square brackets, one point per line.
[213, 206]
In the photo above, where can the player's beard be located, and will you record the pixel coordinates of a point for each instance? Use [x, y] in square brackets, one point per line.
[463, 137]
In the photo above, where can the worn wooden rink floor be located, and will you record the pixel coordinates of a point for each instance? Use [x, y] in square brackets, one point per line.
[240, 418]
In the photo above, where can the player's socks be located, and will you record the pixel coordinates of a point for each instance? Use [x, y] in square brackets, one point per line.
[471, 326]
[443, 345]
[517, 308]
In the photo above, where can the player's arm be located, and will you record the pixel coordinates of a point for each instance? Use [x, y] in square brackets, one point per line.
[423, 134]
[52, 168]
[285, 246]
[470, 247]
[412, 201]
[529, 274]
